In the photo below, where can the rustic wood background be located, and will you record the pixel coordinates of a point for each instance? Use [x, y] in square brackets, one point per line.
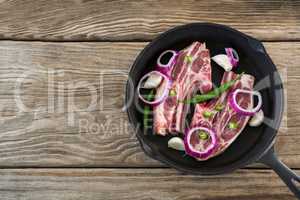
[42, 156]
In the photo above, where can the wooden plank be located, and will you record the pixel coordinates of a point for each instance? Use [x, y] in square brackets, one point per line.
[142, 20]
[109, 184]
[44, 135]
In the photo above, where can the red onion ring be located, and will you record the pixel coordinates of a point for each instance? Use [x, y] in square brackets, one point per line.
[166, 68]
[237, 108]
[196, 153]
[164, 94]
[233, 56]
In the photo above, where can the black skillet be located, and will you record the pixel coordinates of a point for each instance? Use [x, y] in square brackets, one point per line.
[253, 144]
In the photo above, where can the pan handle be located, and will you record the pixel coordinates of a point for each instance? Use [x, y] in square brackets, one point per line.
[286, 174]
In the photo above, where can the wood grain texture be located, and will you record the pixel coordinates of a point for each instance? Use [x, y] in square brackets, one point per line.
[90, 20]
[49, 135]
[154, 184]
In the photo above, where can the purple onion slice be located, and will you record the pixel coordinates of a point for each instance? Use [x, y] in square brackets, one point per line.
[194, 152]
[166, 61]
[237, 108]
[233, 56]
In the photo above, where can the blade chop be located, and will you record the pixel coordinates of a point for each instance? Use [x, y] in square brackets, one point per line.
[220, 120]
[191, 72]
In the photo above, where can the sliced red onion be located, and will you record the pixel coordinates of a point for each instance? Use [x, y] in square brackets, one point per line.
[190, 150]
[166, 68]
[164, 93]
[237, 108]
[233, 56]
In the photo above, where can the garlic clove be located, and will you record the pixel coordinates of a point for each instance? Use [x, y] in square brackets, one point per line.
[223, 61]
[152, 81]
[257, 119]
[176, 143]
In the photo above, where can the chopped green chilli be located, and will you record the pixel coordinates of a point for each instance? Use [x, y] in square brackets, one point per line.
[203, 135]
[214, 93]
[189, 59]
[172, 93]
[207, 114]
[232, 125]
[219, 107]
[147, 110]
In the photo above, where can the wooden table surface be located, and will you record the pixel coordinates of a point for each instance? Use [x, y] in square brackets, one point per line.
[52, 149]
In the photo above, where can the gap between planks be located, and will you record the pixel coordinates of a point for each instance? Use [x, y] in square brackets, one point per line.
[120, 41]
